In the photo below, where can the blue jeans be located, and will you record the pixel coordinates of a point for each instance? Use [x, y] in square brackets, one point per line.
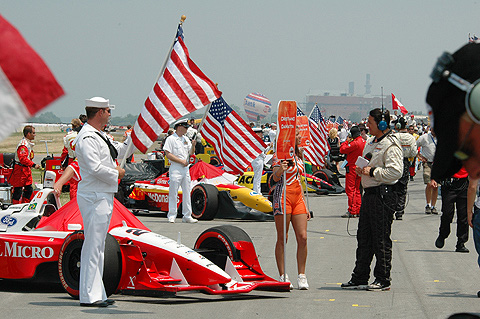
[476, 230]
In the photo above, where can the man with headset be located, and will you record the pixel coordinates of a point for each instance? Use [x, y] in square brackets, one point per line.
[378, 204]
[454, 99]
[409, 148]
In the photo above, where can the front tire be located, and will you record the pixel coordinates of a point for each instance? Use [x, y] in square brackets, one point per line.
[69, 264]
[218, 242]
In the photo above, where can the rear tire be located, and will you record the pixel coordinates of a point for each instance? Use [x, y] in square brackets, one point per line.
[204, 201]
[69, 264]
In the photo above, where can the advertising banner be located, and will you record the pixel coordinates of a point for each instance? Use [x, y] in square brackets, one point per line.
[304, 130]
[286, 121]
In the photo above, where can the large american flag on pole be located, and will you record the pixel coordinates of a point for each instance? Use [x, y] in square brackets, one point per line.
[234, 141]
[318, 149]
[181, 89]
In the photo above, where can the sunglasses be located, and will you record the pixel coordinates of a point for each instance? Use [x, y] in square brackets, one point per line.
[472, 98]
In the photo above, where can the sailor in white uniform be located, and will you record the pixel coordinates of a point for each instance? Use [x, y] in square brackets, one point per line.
[257, 165]
[100, 175]
[178, 149]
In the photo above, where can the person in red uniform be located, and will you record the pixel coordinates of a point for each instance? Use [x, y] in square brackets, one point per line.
[353, 148]
[21, 178]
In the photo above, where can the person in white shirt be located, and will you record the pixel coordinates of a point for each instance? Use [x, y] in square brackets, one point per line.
[257, 166]
[100, 174]
[342, 133]
[272, 134]
[178, 149]
[428, 143]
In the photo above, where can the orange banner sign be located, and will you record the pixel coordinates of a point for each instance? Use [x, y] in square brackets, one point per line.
[303, 130]
[287, 121]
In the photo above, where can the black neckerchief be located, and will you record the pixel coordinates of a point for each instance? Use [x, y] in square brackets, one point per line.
[377, 140]
[113, 150]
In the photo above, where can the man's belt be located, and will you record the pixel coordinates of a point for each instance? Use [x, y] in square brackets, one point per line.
[380, 189]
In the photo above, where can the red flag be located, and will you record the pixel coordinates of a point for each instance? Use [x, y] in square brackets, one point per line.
[319, 147]
[26, 83]
[233, 139]
[397, 105]
[180, 90]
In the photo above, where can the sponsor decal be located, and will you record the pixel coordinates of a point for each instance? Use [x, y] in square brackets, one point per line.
[252, 193]
[32, 206]
[158, 198]
[8, 220]
[136, 232]
[131, 284]
[18, 251]
[245, 179]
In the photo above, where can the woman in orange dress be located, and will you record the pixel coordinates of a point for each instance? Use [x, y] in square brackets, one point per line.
[297, 213]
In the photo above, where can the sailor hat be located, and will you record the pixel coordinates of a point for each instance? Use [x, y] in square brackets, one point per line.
[99, 102]
[183, 123]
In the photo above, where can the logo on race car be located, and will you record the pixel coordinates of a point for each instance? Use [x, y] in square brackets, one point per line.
[159, 198]
[253, 193]
[245, 179]
[131, 284]
[8, 220]
[15, 250]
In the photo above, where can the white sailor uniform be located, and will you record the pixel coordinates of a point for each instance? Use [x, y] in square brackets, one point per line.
[95, 201]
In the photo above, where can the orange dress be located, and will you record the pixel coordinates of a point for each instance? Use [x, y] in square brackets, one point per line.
[295, 203]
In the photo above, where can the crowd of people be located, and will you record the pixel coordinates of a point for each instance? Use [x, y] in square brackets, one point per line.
[380, 155]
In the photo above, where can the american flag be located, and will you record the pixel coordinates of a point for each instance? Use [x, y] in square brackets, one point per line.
[319, 146]
[26, 83]
[234, 141]
[181, 89]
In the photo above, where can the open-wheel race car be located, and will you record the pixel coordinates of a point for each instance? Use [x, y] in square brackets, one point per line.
[41, 240]
[213, 195]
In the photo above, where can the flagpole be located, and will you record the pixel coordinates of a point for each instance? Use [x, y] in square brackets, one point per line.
[284, 226]
[306, 183]
[130, 145]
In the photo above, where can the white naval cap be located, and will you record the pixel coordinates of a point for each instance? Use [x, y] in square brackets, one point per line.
[183, 123]
[99, 102]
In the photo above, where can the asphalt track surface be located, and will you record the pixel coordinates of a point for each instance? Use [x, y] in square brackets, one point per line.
[426, 282]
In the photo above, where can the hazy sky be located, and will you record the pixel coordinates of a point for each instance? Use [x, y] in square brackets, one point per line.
[282, 49]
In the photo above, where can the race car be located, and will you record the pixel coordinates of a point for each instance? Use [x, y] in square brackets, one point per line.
[319, 183]
[211, 189]
[39, 241]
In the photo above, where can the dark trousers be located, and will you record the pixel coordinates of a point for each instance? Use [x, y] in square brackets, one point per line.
[454, 195]
[401, 188]
[373, 235]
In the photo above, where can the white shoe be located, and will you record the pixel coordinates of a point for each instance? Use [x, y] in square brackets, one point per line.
[286, 280]
[189, 220]
[302, 282]
[171, 219]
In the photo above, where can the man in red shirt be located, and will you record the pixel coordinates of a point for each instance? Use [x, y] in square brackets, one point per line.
[353, 148]
[21, 178]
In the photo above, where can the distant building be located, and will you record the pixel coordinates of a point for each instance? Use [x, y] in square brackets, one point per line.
[344, 105]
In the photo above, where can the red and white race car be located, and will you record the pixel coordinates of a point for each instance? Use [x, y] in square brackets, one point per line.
[208, 184]
[43, 239]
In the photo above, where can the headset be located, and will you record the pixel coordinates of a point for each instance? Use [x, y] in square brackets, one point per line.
[382, 125]
[472, 98]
